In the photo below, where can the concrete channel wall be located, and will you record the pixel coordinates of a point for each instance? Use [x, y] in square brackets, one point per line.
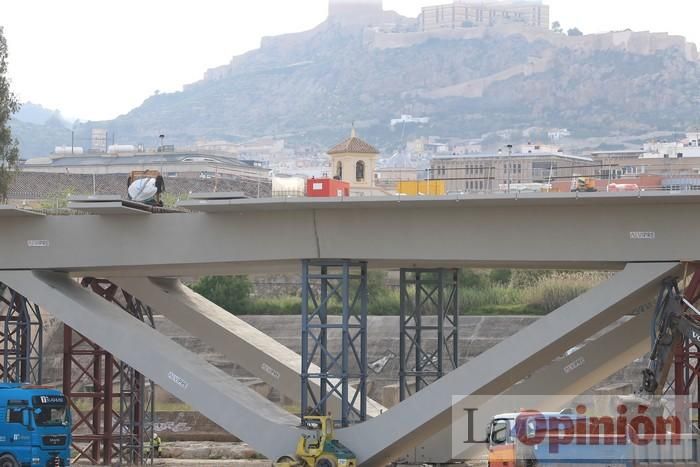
[477, 334]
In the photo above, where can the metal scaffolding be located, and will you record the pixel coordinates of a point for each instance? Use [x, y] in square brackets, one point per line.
[339, 346]
[686, 361]
[105, 430]
[22, 338]
[429, 342]
[88, 383]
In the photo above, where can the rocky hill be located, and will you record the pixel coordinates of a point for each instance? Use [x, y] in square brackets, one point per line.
[36, 140]
[39, 130]
[310, 86]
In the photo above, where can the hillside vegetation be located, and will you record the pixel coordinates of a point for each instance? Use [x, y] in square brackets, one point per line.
[491, 292]
[310, 86]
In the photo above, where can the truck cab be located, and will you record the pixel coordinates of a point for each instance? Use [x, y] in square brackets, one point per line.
[36, 427]
[502, 441]
[505, 448]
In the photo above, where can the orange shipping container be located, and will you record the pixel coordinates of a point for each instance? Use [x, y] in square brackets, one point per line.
[421, 188]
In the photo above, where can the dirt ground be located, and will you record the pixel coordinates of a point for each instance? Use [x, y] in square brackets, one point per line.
[202, 463]
[212, 462]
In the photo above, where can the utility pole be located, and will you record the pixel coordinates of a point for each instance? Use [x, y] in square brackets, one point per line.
[161, 150]
[510, 160]
[498, 161]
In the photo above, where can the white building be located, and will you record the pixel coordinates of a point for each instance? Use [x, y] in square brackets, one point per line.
[670, 150]
[98, 141]
[557, 134]
[171, 165]
[409, 119]
[463, 13]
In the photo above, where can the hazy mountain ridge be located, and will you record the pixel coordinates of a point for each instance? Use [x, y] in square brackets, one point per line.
[312, 85]
[39, 140]
[39, 115]
[39, 130]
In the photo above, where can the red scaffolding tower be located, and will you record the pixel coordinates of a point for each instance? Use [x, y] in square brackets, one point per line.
[112, 403]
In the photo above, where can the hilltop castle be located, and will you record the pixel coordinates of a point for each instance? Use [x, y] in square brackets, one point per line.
[356, 12]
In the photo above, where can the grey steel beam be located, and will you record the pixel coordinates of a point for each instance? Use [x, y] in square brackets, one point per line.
[379, 440]
[107, 208]
[230, 404]
[217, 196]
[11, 211]
[376, 441]
[564, 377]
[602, 231]
[237, 340]
[111, 205]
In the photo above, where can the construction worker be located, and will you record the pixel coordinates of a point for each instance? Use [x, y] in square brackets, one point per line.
[155, 445]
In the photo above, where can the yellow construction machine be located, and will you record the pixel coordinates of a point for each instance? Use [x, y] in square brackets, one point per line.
[584, 184]
[318, 448]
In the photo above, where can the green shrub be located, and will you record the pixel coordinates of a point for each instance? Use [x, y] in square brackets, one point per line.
[376, 284]
[524, 278]
[500, 276]
[275, 306]
[501, 292]
[551, 292]
[231, 293]
[468, 278]
[385, 303]
[471, 299]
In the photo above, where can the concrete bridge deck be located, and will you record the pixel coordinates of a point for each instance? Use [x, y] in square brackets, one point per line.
[597, 230]
[547, 230]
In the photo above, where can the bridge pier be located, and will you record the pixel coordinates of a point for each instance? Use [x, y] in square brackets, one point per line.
[119, 400]
[329, 286]
[89, 393]
[22, 338]
[431, 294]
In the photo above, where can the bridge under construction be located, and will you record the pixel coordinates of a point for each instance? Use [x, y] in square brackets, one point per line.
[647, 238]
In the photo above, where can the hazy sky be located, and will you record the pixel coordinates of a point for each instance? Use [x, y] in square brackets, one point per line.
[96, 59]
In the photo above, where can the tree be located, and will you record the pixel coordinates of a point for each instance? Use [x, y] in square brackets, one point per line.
[556, 27]
[574, 32]
[469, 279]
[9, 147]
[230, 293]
[500, 276]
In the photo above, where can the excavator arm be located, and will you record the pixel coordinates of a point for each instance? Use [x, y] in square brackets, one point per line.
[675, 320]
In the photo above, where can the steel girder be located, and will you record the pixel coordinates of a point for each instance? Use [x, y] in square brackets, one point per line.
[256, 352]
[229, 403]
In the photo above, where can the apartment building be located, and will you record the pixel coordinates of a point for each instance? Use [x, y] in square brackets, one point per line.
[490, 172]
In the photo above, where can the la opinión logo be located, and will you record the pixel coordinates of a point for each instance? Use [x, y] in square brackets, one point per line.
[640, 428]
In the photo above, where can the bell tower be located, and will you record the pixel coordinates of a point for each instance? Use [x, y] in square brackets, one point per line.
[354, 161]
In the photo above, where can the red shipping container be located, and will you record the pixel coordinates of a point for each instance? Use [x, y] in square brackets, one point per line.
[327, 188]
